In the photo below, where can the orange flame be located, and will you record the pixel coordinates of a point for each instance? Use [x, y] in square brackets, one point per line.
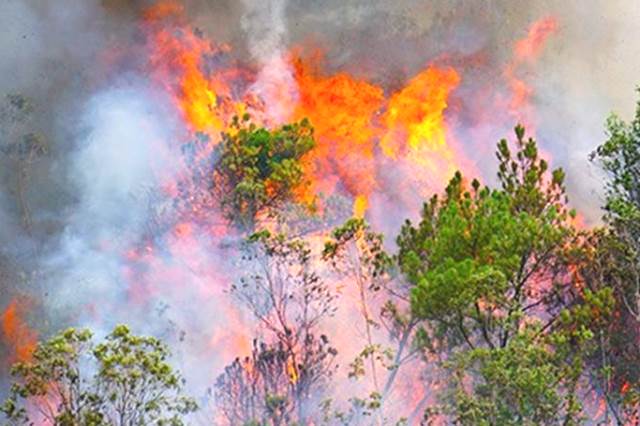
[178, 60]
[346, 112]
[16, 333]
[414, 122]
[358, 128]
[341, 109]
[527, 50]
[292, 371]
[531, 46]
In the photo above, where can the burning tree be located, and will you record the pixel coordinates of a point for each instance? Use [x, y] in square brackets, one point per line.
[278, 382]
[259, 170]
[125, 380]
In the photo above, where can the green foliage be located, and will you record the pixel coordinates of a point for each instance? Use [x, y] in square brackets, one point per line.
[616, 265]
[526, 179]
[135, 376]
[54, 374]
[530, 381]
[514, 385]
[260, 170]
[358, 255]
[374, 260]
[479, 256]
[493, 278]
[132, 385]
[619, 156]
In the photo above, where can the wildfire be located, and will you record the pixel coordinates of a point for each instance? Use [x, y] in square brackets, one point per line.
[353, 119]
[363, 132]
[292, 371]
[178, 58]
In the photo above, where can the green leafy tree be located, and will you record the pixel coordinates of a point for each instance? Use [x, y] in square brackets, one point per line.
[493, 279]
[534, 379]
[133, 383]
[480, 258]
[616, 264]
[259, 170]
[619, 157]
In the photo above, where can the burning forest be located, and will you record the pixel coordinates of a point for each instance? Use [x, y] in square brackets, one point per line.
[290, 212]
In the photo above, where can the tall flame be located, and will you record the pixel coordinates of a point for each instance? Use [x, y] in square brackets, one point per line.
[341, 109]
[415, 125]
[353, 119]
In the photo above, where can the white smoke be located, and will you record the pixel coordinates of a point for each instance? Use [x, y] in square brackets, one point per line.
[266, 27]
[122, 155]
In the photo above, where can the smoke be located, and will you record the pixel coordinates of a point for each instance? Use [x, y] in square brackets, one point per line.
[115, 170]
[265, 25]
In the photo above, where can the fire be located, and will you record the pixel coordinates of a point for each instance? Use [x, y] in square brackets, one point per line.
[341, 109]
[292, 370]
[526, 51]
[353, 119]
[415, 125]
[531, 46]
[360, 206]
[625, 388]
[350, 124]
[163, 9]
[16, 333]
[196, 95]
[178, 59]
[363, 132]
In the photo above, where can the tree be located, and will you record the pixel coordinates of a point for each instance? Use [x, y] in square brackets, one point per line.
[133, 383]
[534, 379]
[356, 253]
[279, 381]
[493, 279]
[617, 266]
[259, 170]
